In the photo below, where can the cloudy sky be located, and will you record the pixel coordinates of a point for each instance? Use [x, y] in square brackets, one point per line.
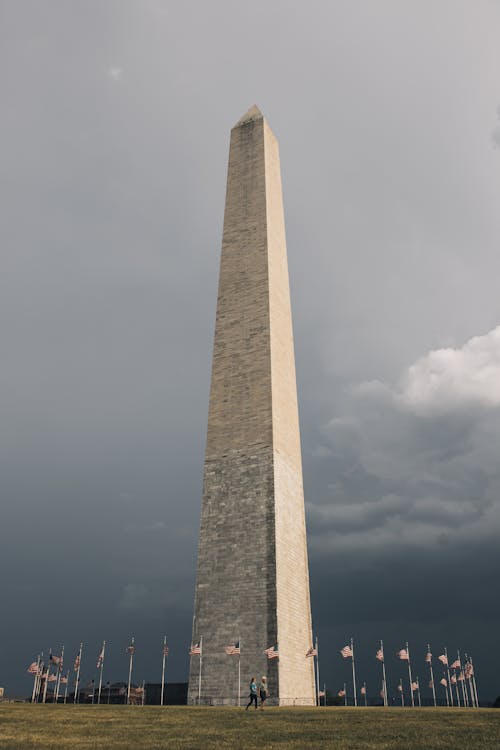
[113, 150]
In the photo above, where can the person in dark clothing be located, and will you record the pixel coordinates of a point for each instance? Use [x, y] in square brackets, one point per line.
[253, 694]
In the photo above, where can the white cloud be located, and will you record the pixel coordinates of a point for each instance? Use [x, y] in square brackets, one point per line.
[445, 379]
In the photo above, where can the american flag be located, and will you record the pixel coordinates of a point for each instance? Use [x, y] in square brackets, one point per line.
[443, 682]
[233, 649]
[321, 693]
[195, 649]
[461, 677]
[52, 678]
[428, 657]
[100, 659]
[431, 684]
[346, 652]
[400, 688]
[469, 670]
[272, 652]
[379, 655]
[403, 654]
[453, 679]
[55, 659]
[456, 664]
[443, 659]
[414, 685]
[363, 690]
[341, 693]
[77, 663]
[64, 680]
[33, 668]
[165, 650]
[131, 648]
[312, 651]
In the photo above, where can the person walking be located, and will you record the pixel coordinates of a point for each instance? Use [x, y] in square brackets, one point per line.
[253, 694]
[263, 691]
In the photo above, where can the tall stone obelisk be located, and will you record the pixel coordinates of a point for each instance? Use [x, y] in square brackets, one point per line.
[253, 581]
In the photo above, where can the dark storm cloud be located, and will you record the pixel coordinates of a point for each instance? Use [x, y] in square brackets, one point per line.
[113, 149]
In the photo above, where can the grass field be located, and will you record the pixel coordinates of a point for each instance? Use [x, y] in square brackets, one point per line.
[82, 727]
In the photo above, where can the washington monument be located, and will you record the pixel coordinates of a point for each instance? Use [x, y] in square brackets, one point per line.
[252, 585]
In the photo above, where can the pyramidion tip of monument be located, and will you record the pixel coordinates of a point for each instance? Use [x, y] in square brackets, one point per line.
[253, 113]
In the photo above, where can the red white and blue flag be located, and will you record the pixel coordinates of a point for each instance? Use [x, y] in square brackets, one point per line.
[233, 649]
[272, 652]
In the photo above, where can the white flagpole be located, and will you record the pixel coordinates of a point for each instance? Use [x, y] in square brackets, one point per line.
[163, 670]
[317, 671]
[364, 685]
[354, 673]
[47, 673]
[77, 681]
[36, 679]
[59, 668]
[449, 678]
[432, 676]
[100, 675]
[474, 683]
[386, 702]
[418, 693]
[199, 675]
[446, 688]
[239, 673]
[401, 691]
[469, 680]
[130, 669]
[456, 687]
[409, 675]
[460, 673]
[66, 688]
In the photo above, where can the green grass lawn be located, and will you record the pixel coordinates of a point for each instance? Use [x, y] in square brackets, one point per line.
[79, 727]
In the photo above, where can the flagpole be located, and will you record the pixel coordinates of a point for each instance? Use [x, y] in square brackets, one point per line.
[418, 693]
[66, 688]
[77, 681]
[456, 687]
[239, 672]
[59, 668]
[354, 673]
[199, 675]
[100, 675]
[460, 674]
[469, 680]
[163, 670]
[432, 676]
[39, 683]
[130, 669]
[474, 683]
[364, 685]
[386, 702]
[35, 680]
[401, 690]
[317, 671]
[46, 682]
[345, 694]
[409, 675]
[449, 678]
[446, 689]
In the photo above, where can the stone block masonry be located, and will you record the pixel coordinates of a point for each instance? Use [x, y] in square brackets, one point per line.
[252, 580]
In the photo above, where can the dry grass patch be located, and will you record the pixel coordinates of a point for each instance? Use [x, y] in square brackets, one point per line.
[186, 728]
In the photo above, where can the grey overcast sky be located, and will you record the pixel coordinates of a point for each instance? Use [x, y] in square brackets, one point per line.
[114, 137]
